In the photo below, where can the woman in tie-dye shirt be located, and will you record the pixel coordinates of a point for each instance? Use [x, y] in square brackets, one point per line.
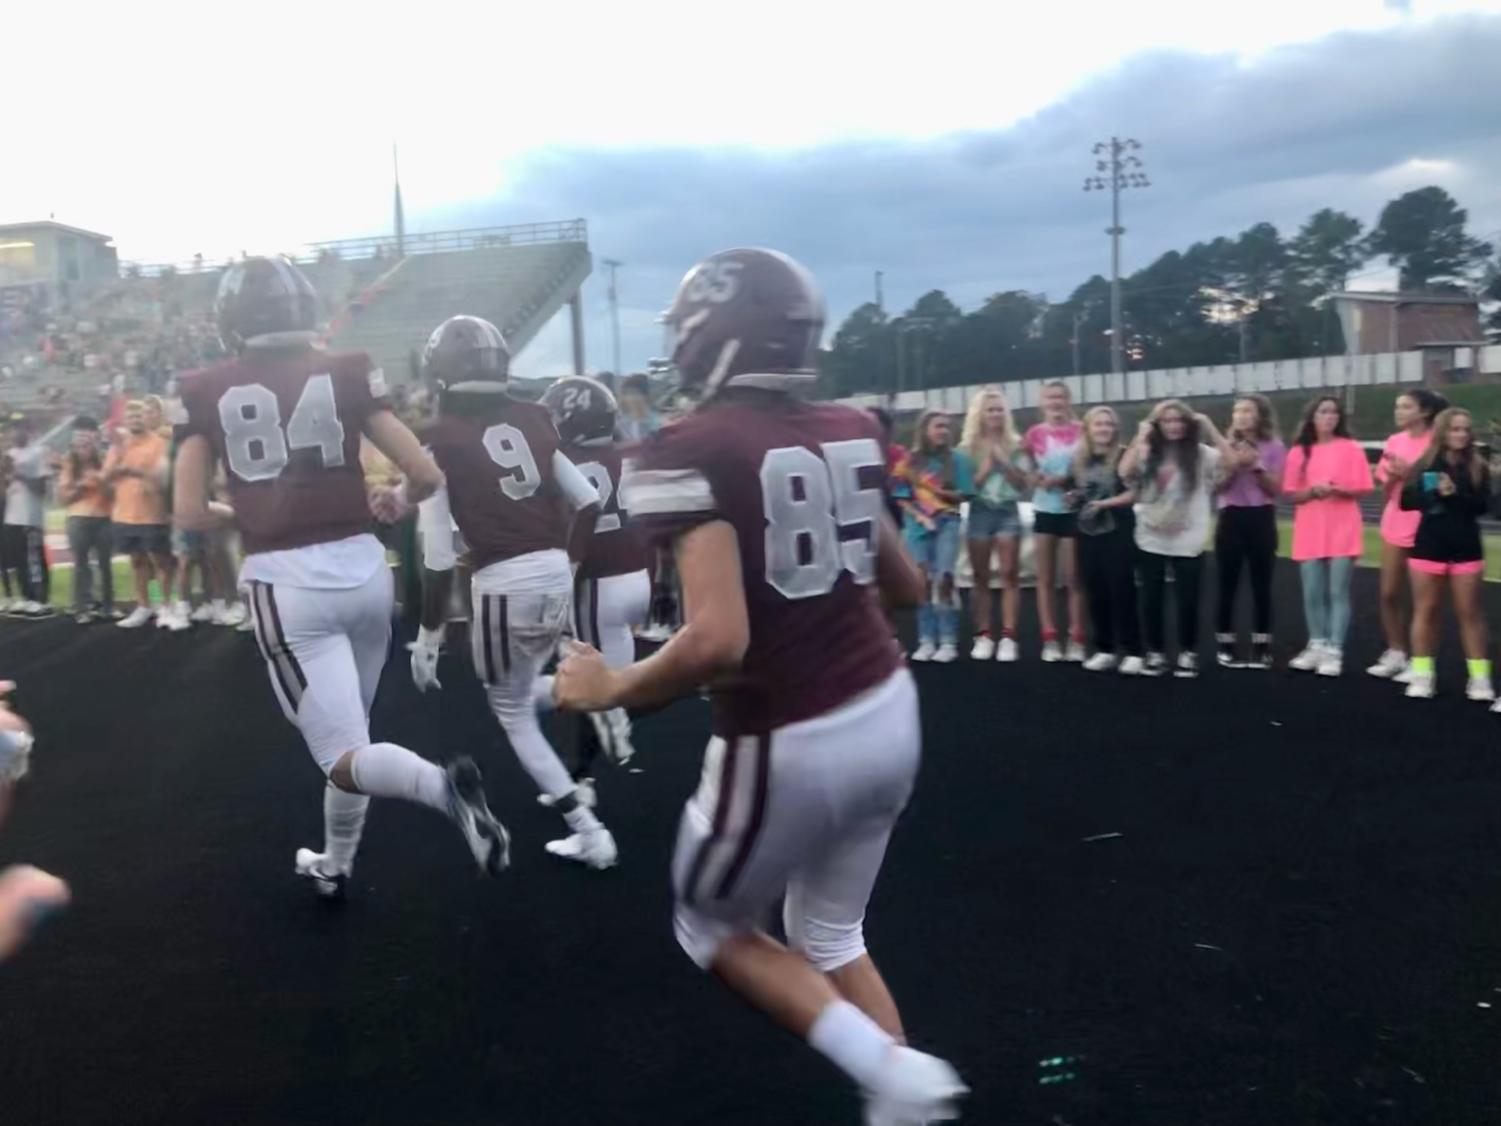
[931, 483]
[1052, 444]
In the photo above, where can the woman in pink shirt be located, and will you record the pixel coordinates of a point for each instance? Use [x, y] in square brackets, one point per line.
[1326, 473]
[1414, 414]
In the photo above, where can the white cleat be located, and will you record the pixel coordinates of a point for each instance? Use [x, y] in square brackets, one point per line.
[486, 836]
[594, 849]
[915, 1089]
[326, 881]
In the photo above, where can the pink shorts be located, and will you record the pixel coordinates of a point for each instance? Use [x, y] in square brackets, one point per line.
[1434, 567]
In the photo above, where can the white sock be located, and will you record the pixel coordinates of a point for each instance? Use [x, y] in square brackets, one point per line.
[581, 819]
[384, 770]
[343, 824]
[852, 1041]
[542, 694]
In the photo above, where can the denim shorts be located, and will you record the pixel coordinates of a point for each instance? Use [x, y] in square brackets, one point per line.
[985, 522]
[936, 552]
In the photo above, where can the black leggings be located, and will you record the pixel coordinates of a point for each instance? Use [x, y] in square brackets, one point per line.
[22, 552]
[1105, 562]
[1246, 538]
[1187, 570]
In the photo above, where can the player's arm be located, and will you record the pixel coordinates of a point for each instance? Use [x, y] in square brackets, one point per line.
[392, 437]
[711, 644]
[582, 498]
[435, 526]
[192, 507]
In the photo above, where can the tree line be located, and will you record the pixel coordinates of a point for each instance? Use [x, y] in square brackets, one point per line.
[1258, 296]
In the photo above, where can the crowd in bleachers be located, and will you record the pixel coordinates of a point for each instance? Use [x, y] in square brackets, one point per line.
[1121, 523]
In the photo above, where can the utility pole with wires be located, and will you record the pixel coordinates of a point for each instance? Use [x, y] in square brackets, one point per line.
[1120, 169]
[612, 265]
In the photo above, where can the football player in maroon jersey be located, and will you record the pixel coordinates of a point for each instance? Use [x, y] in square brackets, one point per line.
[612, 589]
[777, 514]
[286, 418]
[510, 490]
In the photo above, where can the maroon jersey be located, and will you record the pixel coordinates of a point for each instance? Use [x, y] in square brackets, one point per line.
[501, 487]
[287, 428]
[801, 483]
[616, 548]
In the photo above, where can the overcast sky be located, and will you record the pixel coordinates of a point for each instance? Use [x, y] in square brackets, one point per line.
[943, 145]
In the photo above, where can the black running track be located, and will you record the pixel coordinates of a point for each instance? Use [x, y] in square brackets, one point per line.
[1296, 919]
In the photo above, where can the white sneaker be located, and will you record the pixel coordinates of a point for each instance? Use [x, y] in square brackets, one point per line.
[914, 1089]
[1005, 650]
[1479, 689]
[1187, 667]
[31, 609]
[327, 881]
[583, 791]
[983, 649]
[595, 849]
[1154, 665]
[1131, 666]
[202, 613]
[175, 619]
[483, 833]
[1052, 652]
[1074, 654]
[924, 651]
[947, 652]
[230, 616]
[1496, 707]
[1390, 664]
[1405, 676]
[1331, 662]
[136, 618]
[1309, 659]
[1420, 686]
[1100, 662]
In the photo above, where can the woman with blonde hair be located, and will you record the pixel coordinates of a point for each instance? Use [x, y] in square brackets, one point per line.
[1001, 468]
[1450, 488]
[1106, 543]
[1051, 444]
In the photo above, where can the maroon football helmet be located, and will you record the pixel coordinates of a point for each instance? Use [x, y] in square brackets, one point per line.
[746, 317]
[582, 409]
[266, 302]
[466, 349]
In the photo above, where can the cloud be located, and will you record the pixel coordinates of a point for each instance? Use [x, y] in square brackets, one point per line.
[1347, 122]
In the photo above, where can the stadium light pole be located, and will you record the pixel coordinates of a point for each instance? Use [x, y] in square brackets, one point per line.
[1120, 168]
[612, 265]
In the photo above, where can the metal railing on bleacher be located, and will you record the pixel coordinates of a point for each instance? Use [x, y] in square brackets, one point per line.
[427, 242]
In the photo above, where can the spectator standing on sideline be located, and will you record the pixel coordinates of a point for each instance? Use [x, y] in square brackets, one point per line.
[1450, 489]
[1002, 477]
[1174, 474]
[1246, 536]
[1051, 445]
[932, 483]
[638, 418]
[81, 487]
[1326, 475]
[25, 512]
[1413, 413]
[137, 469]
[895, 455]
[1107, 543]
